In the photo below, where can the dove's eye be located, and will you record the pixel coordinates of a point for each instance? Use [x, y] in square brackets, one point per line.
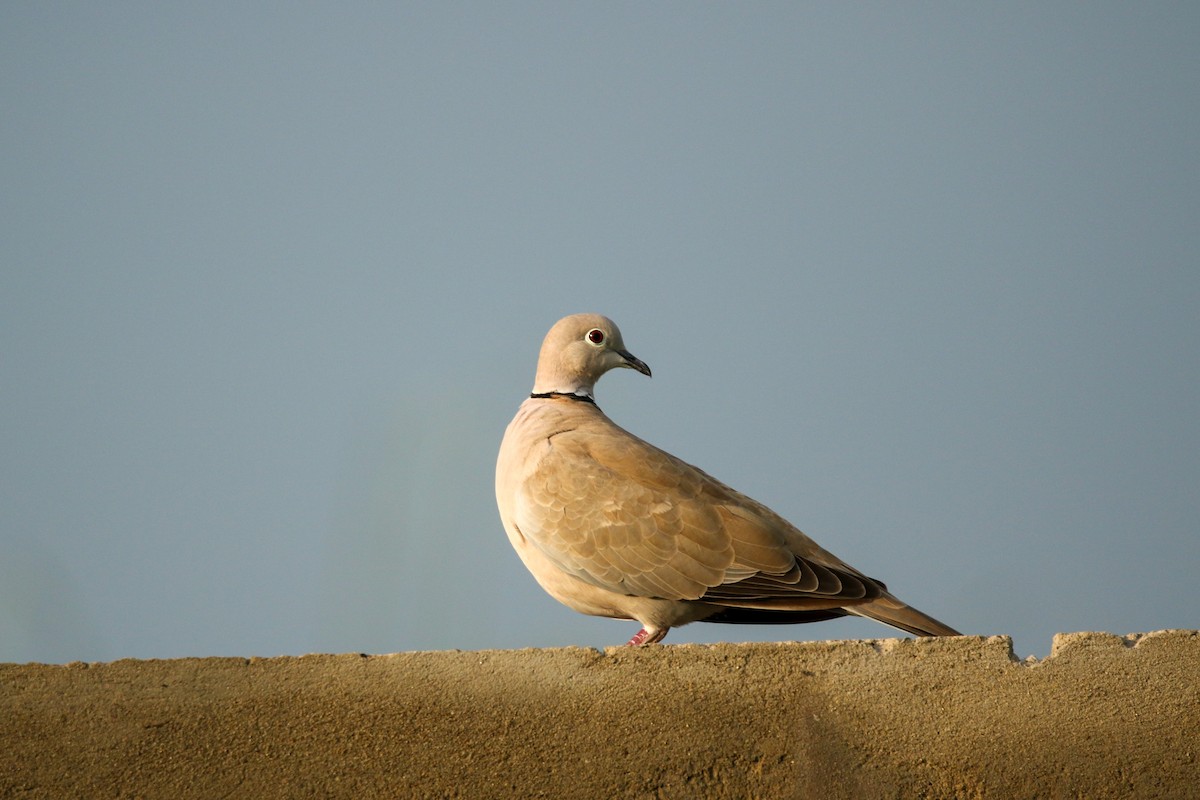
[595, 336]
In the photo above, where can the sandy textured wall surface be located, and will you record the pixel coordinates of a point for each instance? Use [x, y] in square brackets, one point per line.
[1103, 716]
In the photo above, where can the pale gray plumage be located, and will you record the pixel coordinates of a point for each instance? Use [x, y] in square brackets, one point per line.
[612, 526]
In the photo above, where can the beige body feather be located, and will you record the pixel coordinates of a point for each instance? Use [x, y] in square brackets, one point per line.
[612, 526]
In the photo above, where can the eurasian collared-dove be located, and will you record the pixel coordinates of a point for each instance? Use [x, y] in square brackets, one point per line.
[612, 526]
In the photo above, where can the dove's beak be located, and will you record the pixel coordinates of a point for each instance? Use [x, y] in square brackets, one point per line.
[633, 362]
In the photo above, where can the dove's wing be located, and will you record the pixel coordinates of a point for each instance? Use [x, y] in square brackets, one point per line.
[617, 512]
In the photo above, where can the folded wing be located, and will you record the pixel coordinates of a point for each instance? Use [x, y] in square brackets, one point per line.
[621, 514]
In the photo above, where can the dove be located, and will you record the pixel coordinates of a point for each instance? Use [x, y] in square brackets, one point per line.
[612, 526]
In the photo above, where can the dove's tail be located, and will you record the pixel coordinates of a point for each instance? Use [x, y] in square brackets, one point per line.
[891, 611]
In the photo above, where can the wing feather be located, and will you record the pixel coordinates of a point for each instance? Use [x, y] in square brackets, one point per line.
[621, 514]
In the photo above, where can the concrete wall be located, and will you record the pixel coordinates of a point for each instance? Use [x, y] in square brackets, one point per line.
[1103, 716]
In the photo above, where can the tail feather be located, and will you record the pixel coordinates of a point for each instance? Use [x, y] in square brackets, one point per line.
[769, 616]
[891, 611]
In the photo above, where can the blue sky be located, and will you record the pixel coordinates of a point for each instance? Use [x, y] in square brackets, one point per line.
[923, 278]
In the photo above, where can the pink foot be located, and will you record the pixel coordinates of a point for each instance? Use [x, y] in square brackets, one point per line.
[645, 636]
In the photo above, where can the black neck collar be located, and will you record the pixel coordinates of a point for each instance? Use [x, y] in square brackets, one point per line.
[583, 398]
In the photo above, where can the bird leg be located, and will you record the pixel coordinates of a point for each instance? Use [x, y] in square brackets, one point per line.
[647, 636]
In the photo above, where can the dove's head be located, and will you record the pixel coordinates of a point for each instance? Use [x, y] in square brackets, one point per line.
[577, 351]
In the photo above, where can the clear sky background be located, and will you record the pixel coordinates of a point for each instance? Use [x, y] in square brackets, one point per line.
[924, 278]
